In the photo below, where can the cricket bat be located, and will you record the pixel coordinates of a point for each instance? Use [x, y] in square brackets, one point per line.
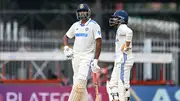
[96, 87]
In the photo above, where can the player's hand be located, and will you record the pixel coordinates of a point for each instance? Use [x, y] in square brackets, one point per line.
[68, 52]
[94, 66]
[124, 48]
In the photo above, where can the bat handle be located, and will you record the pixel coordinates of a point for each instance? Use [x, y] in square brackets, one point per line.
[94, 77]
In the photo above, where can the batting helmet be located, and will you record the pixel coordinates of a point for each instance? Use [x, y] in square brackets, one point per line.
[83, 8]
[119, 17]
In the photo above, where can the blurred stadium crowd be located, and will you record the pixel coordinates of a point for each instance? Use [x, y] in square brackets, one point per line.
[38, 26]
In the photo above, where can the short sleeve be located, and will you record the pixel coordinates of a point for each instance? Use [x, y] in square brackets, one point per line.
[70, 32]
[97, 31]
[129, 35]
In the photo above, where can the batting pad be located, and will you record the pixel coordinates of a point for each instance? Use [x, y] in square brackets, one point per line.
[112, 92]
[78, 90]
[121, 91]
[127, 93]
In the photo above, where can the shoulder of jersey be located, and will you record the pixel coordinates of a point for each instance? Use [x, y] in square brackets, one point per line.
[92, 22]
[129, 30]
[125, 28]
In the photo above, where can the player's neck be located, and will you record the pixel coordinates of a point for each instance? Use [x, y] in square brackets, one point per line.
[83, 21]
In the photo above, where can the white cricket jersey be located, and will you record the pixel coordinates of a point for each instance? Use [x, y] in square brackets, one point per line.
[123, 34]
[85, 36]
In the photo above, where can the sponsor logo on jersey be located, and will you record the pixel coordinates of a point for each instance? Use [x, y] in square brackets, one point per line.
[81, 34]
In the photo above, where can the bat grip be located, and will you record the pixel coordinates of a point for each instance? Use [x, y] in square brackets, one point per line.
[94, 78]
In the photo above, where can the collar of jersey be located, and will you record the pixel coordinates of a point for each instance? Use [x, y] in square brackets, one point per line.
[85, 23]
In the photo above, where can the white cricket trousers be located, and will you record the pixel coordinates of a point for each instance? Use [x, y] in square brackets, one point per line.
[121, 71]
[81, 67]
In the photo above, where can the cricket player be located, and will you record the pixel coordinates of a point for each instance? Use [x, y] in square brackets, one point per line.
[85, 53]
[119, 84]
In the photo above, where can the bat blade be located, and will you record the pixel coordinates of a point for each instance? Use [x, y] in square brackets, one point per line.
[96, 87]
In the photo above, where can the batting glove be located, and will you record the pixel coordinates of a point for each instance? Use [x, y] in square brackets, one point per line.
[124, 48]
[68, 52]
[94, 66]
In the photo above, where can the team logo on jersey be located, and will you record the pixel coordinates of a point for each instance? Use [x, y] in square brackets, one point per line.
[99, 32]
[87, 29]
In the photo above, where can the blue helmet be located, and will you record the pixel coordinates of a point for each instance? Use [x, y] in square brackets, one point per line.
[83, 8]
[119, 17]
